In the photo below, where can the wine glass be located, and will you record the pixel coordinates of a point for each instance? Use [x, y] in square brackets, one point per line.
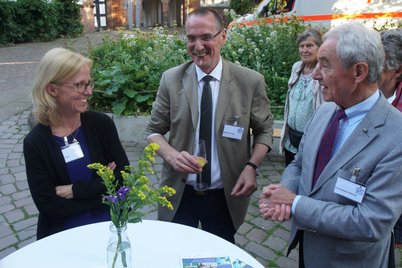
[201, 154]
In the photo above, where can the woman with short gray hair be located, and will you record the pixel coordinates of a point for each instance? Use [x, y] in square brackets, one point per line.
[304, 94]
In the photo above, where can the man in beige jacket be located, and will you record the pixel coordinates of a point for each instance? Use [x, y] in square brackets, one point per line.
[239, 104]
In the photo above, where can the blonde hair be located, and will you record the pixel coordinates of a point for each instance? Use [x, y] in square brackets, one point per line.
[56, 65]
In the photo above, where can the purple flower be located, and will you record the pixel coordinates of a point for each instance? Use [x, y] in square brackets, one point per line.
[112, 198]
[121, 193]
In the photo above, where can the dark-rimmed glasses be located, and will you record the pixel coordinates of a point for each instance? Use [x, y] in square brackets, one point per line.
[80, 87]
[202, 38]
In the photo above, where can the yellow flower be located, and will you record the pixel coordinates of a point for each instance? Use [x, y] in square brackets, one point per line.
[141, 195]
[168, 190]
[127, 198]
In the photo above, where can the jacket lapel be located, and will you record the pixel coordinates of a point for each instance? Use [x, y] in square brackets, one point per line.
[365, 132]
[225, 94]
[190, 88]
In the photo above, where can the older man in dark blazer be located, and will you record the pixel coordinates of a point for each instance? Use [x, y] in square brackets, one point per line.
[239, 105]
[344, 210]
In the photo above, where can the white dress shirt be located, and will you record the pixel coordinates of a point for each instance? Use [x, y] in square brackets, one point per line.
[216, 181]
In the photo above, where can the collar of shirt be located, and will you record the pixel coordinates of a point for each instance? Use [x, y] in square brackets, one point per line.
[392, 98]
[357, 112]
[216, 73]
[354, 114]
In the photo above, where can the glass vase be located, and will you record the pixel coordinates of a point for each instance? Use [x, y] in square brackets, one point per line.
[118, 248]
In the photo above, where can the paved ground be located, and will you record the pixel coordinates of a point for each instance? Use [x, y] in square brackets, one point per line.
[265, 240]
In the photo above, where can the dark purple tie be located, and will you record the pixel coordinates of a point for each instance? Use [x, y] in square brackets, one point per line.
[206, 126]
[327, 144]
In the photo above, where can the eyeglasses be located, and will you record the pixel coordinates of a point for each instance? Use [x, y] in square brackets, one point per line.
[81, 87]
[202, 38]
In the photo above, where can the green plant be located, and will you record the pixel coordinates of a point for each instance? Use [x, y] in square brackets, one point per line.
[242, 6]
[36, 20]
[69, 17]
[268, 48]
[127, 70]
[135, 193]
[7, 23]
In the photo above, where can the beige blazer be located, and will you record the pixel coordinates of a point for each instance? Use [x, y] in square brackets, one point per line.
[242, 93]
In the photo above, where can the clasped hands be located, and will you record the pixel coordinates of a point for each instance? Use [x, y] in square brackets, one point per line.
[275, 202]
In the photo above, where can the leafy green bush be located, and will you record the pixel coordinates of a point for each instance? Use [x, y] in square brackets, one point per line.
[127, 70]
[38, 20]
[270, 49]
[69, 18]
[242, 6]
[7, 23]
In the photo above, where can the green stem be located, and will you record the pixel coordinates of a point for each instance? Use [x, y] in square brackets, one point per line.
[123, 258]
[117, 247]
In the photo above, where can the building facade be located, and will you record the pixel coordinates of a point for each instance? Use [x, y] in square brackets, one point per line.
[112, 14]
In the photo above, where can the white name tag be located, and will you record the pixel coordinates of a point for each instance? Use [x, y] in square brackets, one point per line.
[72, 152]
[350, 190]
[232, 132]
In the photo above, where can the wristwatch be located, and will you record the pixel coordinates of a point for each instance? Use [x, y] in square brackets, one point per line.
[251, 164]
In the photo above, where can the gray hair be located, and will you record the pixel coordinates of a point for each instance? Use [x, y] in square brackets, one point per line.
[356, 43]
[314, 33]
[203, 11]
[392, 42]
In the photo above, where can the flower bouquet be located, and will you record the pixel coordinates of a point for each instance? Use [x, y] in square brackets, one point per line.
[127, 198]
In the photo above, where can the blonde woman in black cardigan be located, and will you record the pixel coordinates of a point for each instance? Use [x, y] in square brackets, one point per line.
[66, 139]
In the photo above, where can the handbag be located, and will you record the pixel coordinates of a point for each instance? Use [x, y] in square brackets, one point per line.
[294, 137]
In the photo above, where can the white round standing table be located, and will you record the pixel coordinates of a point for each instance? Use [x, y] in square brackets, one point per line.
[154, 244]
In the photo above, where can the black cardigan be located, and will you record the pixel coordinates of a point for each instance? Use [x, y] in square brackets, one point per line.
[46, 169]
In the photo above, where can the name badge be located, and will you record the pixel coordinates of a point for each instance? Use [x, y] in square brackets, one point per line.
[232, 132]
[350, 190]
[72, 152]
